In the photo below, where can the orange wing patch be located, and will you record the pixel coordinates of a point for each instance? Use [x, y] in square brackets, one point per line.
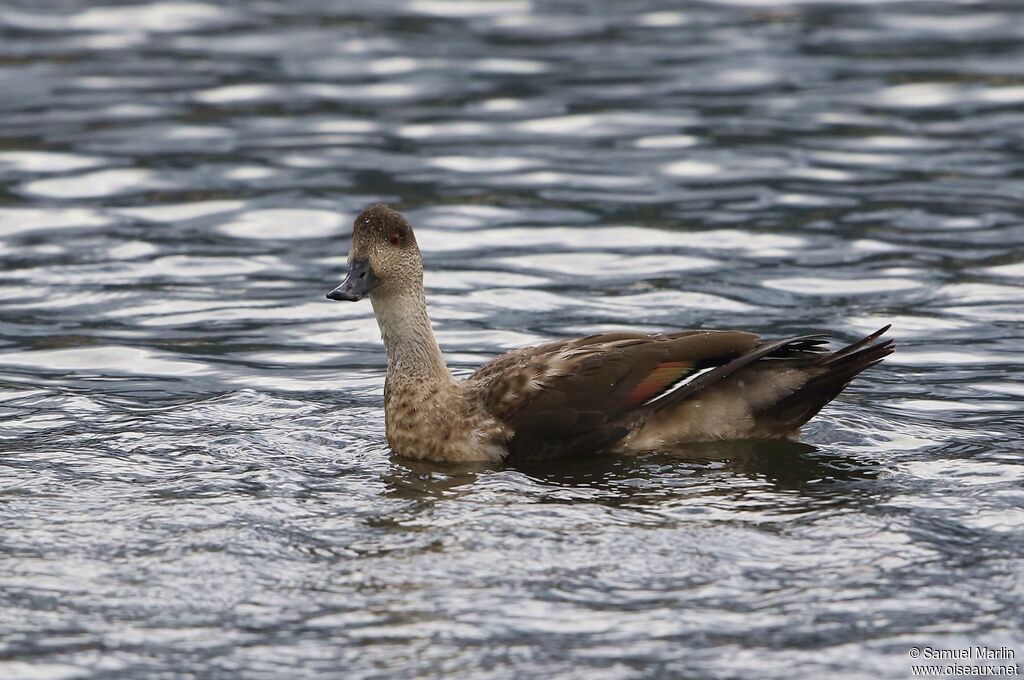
[657, 381]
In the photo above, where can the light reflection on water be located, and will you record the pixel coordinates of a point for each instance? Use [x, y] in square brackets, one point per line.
[195, 479]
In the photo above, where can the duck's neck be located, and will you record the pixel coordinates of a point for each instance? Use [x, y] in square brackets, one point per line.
[413, 352]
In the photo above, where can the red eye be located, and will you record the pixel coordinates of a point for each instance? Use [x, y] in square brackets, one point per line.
[394, 239]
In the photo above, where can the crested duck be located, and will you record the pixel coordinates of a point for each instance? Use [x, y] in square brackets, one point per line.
[620, 392]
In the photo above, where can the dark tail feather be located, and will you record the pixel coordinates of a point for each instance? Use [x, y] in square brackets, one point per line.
[850, 349]
[840, 368]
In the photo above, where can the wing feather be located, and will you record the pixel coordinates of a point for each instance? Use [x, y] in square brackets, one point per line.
[657, 381]
[569, 396]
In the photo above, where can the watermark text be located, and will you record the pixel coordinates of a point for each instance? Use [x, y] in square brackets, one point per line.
[974, 661]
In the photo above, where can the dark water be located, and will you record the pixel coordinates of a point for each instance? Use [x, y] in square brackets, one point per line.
[194, 479]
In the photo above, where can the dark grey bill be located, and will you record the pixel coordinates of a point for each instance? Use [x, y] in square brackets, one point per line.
[357, 284]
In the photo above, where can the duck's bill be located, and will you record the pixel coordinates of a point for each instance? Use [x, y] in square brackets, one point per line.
[357, 284]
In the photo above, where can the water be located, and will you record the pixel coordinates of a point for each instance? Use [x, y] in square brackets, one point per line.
[195, 481]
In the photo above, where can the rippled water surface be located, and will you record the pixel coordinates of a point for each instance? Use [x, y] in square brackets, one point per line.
[194, 478]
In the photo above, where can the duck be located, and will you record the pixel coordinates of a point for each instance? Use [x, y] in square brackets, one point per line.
[620, 392]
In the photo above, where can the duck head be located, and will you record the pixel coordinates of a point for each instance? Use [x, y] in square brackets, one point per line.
[384, 257]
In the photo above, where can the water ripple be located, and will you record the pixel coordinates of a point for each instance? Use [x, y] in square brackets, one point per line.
[195, 478]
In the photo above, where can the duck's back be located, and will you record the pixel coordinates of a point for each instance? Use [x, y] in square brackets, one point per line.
[636, 391]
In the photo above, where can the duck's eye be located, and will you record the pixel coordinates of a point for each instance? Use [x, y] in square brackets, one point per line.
[394, 239]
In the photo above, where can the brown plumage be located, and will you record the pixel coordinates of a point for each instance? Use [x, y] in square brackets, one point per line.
[625, 392]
